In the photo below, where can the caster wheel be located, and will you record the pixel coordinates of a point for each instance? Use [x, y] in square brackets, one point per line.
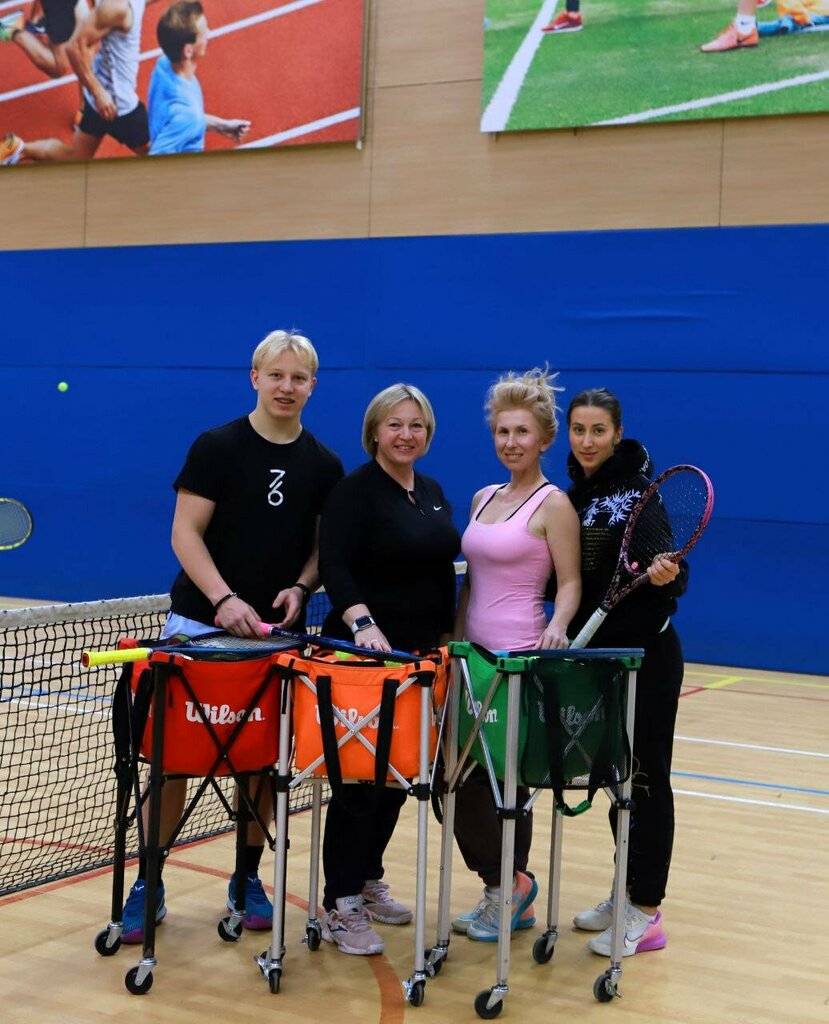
[433, 970]
[417, 993]
[226, 933]
[101, 944]
[136, 988]
[602, 989]
[481, 1008]
[313, 939]
[541, 954]
[274, 979]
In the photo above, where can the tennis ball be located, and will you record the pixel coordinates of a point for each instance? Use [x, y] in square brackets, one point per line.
[63, 386]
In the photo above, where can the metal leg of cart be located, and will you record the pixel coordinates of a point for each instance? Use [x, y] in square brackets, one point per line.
[270, 961]
[415, 986]
[606, 986]
[544, 946]
[313, 926]
[139, 979]
[440, 950]
[489, 1002]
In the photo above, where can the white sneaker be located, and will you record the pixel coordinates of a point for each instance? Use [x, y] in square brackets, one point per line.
[597, 918]
[642, 933]
[381, 906]
[348, 926]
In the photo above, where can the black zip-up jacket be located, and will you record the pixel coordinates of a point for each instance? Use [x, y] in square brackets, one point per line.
[603, 502]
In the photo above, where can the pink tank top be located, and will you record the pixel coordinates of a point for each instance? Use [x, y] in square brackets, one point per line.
[508, 570]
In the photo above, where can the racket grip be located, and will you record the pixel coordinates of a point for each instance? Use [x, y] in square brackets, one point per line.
[89, 659]
[588, 630]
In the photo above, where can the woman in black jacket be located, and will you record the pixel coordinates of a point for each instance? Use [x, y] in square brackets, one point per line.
[608, 476]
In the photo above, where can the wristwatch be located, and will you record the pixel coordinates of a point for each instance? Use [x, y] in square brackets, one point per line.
[362, 622]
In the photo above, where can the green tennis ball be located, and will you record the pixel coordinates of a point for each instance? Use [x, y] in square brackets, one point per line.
[63, 386]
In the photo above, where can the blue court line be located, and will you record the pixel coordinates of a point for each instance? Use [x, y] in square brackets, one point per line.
[745, 782]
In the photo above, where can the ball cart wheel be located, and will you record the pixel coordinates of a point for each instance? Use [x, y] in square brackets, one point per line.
[603, 990]
[481, 1007]
[541, 954]
[133, 985]
[101, 944]
[226, 933]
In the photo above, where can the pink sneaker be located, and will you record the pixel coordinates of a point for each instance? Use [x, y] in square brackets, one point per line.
[642, 933]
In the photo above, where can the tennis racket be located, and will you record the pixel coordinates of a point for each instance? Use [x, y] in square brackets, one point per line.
[335, 645]
[218, 646]
[16, 524]
[668, 520]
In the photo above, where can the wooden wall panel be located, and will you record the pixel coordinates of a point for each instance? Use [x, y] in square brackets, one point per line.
[308, 192]
[426, 169]
[428, 41]
[776, 170]
[434, 173]
[43, 207]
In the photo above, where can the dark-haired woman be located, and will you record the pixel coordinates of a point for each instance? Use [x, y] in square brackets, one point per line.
[608, 475]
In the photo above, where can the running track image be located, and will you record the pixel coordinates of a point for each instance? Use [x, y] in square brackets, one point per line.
[294, 69]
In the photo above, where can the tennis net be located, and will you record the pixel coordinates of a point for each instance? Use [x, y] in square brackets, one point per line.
[57, 784]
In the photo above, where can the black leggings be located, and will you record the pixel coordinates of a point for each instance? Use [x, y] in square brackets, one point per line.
[478, 828]
[652, 822]
[355, 839]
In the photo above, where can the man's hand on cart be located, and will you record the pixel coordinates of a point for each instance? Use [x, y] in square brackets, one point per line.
[237, 617]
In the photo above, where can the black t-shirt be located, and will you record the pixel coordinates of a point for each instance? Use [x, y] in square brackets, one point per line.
[268, 497]
[397, 557]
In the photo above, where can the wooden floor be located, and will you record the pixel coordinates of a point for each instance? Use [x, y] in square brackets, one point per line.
[746, 913]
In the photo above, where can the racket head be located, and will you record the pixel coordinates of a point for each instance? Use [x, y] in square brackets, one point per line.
[222, 646]
[668, 519]
[214, 646]
[16, 524]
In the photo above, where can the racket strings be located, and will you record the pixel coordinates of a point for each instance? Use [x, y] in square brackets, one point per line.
[15, 522]
[670, 520]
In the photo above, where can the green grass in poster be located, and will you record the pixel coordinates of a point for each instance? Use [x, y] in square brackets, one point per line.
[639, 60]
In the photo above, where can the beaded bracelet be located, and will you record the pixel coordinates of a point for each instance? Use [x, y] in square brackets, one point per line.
[222, 600]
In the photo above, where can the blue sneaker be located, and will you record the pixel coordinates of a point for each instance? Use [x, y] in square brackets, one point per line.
[484, 928]
[258, 908]
[133, 915]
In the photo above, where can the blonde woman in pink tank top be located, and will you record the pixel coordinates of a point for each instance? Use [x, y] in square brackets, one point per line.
[519, 533]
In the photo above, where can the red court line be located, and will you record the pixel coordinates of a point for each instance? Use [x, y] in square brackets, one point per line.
[392, 1003]
[692, 691]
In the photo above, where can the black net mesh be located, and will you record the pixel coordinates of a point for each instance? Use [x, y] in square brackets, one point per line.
[57, 786]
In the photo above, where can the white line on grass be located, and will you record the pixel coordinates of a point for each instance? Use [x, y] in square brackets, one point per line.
[223, 30]
[498, 111]
[756, 803]
[712, 101]
[303, 129]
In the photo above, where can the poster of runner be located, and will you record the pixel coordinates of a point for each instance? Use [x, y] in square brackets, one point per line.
[573, 63]
[116, 78]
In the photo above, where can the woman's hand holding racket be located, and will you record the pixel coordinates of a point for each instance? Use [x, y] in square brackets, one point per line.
[664, 524]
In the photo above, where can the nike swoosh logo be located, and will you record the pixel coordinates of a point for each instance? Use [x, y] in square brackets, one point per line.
[437, 508]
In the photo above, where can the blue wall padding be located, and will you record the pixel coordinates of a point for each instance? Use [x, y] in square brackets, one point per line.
[714, 339]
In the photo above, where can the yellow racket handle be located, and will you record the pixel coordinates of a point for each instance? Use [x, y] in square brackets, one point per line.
[89, 659]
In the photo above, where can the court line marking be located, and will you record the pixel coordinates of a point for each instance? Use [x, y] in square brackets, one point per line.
[222, 30]
[755, 803]
[712, 101]
[499, 108]
[770, 680]
[748, 782]
[303, 129]
[752, 746]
